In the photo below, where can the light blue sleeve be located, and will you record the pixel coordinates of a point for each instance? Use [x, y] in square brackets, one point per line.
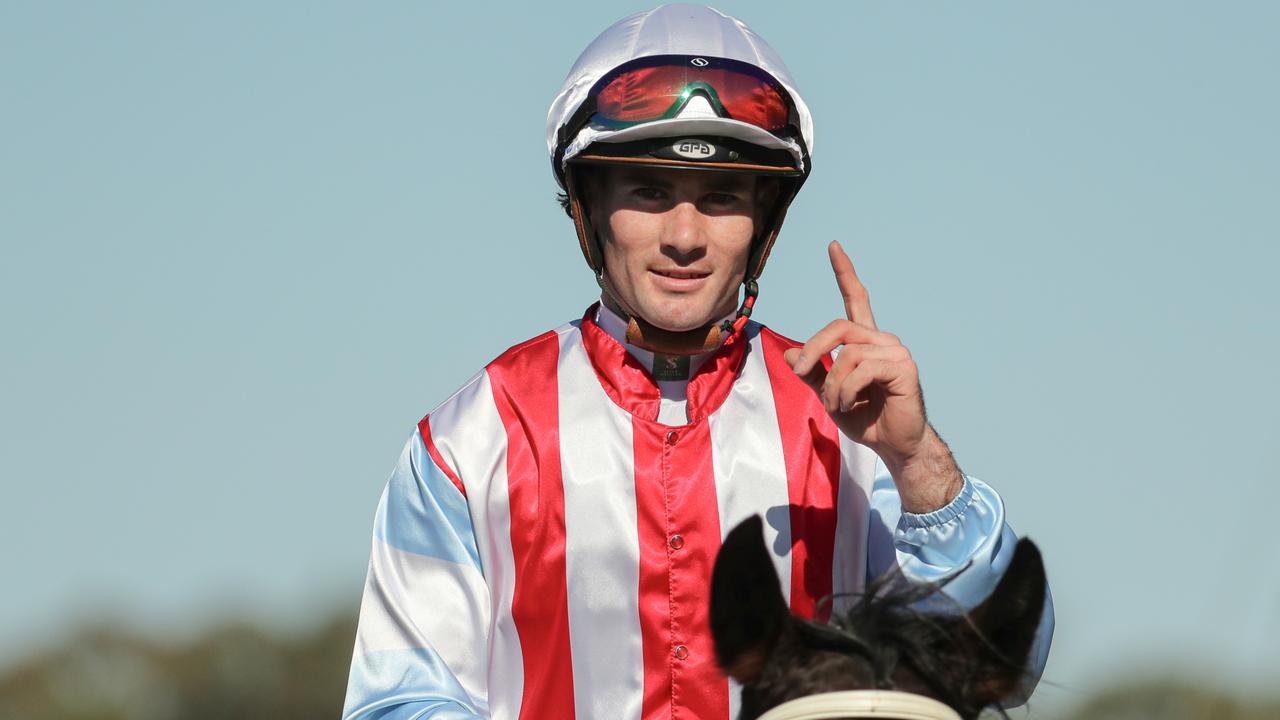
[421, 645]
[968, 543]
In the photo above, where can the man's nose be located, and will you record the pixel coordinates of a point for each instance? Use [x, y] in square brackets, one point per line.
[683, 233]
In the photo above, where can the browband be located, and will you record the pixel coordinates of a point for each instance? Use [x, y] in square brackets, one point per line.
[881, 704]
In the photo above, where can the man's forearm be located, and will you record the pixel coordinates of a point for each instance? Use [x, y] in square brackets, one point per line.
[930, 479]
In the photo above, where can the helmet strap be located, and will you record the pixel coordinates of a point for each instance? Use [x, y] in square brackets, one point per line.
[648, 336]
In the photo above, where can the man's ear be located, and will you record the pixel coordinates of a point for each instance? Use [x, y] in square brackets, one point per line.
[1004, 625]
[748, 612]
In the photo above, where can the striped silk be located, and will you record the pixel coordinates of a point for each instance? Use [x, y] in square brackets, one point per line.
[544, 547]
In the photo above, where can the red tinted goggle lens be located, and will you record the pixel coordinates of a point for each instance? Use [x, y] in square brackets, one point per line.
[653, 93]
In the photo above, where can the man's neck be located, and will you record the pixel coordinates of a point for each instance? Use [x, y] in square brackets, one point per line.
[666, 369]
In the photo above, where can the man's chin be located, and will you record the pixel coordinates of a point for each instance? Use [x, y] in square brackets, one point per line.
[681, 322]
[682, 314]
[676, 328]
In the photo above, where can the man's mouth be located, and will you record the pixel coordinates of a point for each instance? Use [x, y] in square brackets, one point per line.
[679, 280]
[682, 274]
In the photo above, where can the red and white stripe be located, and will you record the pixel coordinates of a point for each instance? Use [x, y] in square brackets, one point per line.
[577, 495]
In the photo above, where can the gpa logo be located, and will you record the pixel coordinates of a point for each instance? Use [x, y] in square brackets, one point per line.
[694, 149]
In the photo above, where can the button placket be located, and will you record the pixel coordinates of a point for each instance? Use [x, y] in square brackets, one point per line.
[675, 541]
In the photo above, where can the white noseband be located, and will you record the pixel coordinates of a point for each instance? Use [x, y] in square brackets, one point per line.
[882, 704]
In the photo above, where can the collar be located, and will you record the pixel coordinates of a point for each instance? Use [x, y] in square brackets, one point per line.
[631, 386]
[612, 323]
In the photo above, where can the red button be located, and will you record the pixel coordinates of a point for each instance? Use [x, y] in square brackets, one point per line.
[672, 436]
[681, 652]
[676, 542]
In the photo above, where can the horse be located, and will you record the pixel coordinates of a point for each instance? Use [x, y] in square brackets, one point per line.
[898, 640]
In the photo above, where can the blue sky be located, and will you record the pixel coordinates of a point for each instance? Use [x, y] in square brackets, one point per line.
[246, 247]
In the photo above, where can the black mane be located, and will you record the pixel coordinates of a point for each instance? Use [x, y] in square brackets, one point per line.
[895, 624]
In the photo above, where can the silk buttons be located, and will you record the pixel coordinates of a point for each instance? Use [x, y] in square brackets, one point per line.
[681, 652]
[676, 542]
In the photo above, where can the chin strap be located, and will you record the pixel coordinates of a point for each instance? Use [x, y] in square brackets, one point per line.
[648, 336]
[750, 291]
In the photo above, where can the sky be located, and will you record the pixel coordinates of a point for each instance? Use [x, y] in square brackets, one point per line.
[246, 247]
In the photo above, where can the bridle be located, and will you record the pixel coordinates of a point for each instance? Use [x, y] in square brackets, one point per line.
[882, 704]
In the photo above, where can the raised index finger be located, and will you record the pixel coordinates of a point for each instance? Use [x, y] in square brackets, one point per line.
[857, 304]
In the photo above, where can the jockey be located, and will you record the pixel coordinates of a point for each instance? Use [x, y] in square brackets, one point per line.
[544, 546]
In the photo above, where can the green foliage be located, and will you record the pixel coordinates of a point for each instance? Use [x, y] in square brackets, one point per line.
[235, 672]
[244, 673]
[1173, 699]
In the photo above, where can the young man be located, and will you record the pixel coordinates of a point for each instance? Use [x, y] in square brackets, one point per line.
[544, 547]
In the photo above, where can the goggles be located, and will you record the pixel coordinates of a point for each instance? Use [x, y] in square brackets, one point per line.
[658, 88]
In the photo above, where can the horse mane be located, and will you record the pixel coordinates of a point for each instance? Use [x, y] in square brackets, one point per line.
[895, 622]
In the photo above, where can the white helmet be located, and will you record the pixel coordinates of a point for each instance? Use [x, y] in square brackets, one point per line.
[681, 86]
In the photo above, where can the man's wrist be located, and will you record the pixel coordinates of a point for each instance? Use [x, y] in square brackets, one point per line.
[929, 479]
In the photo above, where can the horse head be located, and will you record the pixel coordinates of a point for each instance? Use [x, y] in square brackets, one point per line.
[897, 636]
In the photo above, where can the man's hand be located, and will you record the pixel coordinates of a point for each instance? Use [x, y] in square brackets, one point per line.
[872, 392]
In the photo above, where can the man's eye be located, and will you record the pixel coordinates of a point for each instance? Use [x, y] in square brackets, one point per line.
[650, 194]
[721, 198]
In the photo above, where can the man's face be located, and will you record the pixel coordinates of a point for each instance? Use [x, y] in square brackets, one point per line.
[675, 242]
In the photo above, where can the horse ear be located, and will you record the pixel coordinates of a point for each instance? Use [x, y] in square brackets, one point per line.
[748, 612]
[1007, 623]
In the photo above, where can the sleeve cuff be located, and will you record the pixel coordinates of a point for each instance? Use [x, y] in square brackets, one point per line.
[943, 515]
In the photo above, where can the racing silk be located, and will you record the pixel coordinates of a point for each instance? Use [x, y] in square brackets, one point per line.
[544, 547]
